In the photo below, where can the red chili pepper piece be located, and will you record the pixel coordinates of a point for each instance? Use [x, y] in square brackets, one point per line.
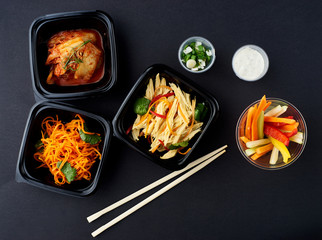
[160, 96]
[164, 145]
[128, 130]
[277, 134]
[158, 115]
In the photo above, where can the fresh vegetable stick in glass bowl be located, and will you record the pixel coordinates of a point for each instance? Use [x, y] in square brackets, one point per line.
[271, 133]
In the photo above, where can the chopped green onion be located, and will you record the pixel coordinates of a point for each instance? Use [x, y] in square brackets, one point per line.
[198, 53]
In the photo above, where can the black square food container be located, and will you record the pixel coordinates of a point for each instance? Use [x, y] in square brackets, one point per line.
[46, 26]
[126, 116]
[27, 167]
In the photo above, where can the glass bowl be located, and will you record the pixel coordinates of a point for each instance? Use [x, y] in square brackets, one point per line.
[295, 149]
[205, 43]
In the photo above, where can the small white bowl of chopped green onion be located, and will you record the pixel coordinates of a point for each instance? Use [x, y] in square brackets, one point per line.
[196, 54]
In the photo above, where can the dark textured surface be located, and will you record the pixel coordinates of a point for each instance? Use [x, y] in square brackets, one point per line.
[230, 199]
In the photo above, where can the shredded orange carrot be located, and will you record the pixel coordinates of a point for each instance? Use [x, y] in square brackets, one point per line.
[62, 143]
[155, 148]
[165, 127]
[177, 127]
[147, 125]
[168, 124]
[184, 152]
[148, 112]
[181, 113]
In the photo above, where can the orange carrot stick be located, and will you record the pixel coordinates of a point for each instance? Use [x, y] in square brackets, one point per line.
[260, 108]
[244, 139]
[279, 120]
[264, 149]
[267, 105]
[250, 115]
[289, 127]
[255, 156]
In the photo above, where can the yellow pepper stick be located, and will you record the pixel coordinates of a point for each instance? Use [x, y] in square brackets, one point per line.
[282, 148]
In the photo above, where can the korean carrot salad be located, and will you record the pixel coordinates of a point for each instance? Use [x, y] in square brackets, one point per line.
[167, 117]
[67, 150]
[267, 131]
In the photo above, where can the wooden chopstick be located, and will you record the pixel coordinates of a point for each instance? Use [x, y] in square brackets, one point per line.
[98, 214]
[156, 194]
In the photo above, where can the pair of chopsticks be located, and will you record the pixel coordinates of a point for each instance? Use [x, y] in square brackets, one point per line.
[196, 165]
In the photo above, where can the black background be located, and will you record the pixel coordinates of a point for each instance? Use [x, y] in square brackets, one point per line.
[230, 199]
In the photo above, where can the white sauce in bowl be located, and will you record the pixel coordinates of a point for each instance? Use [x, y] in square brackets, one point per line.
[250, 63]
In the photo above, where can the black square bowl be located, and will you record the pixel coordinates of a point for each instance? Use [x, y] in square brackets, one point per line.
[27, 170]
[126, 116]
[45, 27]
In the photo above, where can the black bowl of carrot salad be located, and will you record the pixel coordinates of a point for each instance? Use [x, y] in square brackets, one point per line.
[63, 149]
[164, 116]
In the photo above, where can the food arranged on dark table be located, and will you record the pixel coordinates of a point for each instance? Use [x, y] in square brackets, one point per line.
[165, 121]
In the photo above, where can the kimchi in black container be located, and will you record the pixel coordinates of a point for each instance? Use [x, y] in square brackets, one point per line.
[125, 116]
[28, 170]
[43, 28]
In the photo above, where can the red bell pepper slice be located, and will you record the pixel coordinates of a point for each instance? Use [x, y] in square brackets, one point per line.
[276, 134]
[291, 134]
